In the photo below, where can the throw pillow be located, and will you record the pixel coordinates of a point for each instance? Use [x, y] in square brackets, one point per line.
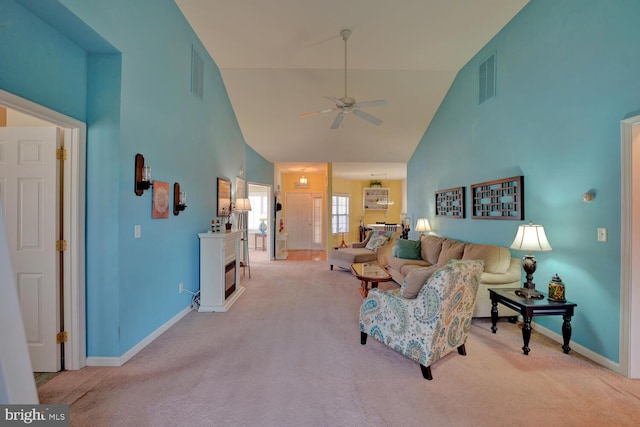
[407, 249]
[451, 249]
[414, 281]
[375, 241]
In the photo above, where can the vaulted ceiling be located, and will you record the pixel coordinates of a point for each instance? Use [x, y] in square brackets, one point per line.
[281, 58]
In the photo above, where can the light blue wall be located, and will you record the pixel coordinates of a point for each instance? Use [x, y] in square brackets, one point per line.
[568, 72]
[126, 71]
[259, 170]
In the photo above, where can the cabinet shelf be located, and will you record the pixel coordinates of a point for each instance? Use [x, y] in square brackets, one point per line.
[375, 198]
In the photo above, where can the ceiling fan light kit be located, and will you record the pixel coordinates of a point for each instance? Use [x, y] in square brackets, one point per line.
[346, 104]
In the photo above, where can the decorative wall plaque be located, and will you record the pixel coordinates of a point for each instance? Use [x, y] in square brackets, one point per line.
[499, 199]
[450, 203]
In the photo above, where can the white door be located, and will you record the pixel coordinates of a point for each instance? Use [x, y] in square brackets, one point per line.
[29, 194]
[299, 215]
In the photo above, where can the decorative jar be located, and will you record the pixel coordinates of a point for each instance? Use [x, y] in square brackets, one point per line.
[556, 289]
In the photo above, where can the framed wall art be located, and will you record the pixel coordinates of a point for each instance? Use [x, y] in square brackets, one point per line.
[450, 203]
[224, 197]
[499, 199]
[160, 200]
[240, 188]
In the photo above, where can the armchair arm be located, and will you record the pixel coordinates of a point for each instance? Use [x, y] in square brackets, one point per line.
[364, 242]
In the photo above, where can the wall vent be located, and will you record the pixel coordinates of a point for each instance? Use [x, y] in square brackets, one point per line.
[487, 79]
[197, 74]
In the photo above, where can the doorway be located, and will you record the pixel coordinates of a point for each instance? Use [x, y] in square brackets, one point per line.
[72, 222]
[260, 221]
[630, 250]
[304, 220]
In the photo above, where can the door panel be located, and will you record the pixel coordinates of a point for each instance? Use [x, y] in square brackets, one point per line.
[29, 192]
[299, 215]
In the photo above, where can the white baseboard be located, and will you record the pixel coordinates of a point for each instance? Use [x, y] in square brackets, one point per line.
[119, 361]
[595, 357]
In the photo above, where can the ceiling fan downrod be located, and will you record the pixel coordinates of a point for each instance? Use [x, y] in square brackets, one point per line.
[345, 36]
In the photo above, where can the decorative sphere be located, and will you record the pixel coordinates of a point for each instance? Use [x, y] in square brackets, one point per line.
[263, 227]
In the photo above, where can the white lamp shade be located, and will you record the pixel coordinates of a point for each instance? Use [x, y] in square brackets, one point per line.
[243, 205]
[531, 237]
[423, 225]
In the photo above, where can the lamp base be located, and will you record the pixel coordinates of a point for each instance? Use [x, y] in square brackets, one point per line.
[529, 293]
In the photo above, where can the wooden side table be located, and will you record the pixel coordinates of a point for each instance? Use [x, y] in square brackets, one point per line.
[529, 308]
[255, 241]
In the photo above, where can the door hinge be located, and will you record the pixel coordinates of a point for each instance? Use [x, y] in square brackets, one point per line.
[61, 337]
[61, 245]
[61, 153]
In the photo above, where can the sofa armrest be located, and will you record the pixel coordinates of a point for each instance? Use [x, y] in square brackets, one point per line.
[385, 251]
[511, 276]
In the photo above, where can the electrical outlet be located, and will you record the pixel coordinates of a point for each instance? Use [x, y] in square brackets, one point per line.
[602, 234]
[136, 232]
[181, 287]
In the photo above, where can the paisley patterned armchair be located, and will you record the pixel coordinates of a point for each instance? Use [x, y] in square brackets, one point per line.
[433, 324]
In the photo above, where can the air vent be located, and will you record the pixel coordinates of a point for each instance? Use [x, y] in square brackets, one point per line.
[487, 79]
[197, 74]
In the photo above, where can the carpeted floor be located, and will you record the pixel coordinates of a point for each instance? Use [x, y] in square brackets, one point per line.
[288, 353]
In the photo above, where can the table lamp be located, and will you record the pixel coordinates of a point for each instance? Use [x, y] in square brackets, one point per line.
[530, 238]
[422, 226]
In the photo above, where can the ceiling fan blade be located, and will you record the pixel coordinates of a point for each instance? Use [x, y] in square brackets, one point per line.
[335, 100]
[315, 113]
[338, 121]
[376, 103]
[368, 117]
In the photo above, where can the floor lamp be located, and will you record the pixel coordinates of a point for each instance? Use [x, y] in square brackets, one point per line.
[243, 206]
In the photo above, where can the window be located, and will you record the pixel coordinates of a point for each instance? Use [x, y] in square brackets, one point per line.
[339, 213]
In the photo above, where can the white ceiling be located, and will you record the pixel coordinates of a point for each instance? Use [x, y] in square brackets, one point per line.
[280, 58]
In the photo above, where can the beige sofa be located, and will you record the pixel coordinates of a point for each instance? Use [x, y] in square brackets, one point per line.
[358, 252]
[500, 269]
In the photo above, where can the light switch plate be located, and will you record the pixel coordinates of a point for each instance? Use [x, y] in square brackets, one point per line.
[602, 234]
[136, 231]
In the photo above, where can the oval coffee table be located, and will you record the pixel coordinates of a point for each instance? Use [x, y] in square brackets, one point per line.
[369, 272]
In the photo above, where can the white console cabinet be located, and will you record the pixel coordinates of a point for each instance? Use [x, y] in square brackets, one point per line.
[219, 270]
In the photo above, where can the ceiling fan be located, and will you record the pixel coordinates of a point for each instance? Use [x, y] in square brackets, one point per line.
[347, 105]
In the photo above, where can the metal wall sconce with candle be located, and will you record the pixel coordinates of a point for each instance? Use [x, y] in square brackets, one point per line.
[142, 176]
[179, 199]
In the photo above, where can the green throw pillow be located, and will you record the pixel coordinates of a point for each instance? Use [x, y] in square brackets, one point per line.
[407, 249]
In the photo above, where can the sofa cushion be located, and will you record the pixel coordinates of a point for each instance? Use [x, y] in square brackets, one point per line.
[399, 264]
[407, 249]
[430, 247]
[351, 256]
[451, 249]
[496, 258]
[415, 280]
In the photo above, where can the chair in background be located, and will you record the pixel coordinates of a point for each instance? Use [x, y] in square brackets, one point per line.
[431, 325]
[390, 227]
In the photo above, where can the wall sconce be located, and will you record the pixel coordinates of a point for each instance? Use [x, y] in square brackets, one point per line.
[588, 196]
[142, 176]
[179, 199]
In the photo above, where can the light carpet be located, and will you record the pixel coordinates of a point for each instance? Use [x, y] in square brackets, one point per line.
[288, 353]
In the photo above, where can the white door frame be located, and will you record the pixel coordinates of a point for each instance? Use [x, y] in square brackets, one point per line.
[270, 218]
[630, 248]
[75, 137]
